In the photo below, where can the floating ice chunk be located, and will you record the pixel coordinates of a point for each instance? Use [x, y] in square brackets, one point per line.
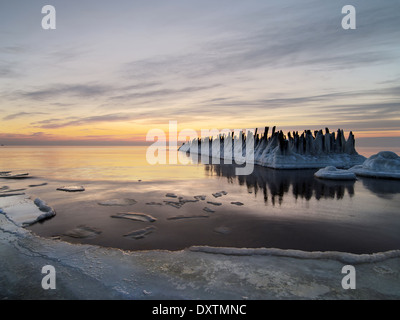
[174, 204]
[201, 197]
[187, 217]
[237, 203]
[215, 203]
[385, 164]
[135, 216]
[141, 233]
[71, 188]
[333, 173]
[219, 194]
[153, 203]
[171, 195]
[5, 191]
[83, 232]
[8, 175]
[206, 209]
[118, 202]
[37, 185]
[25, 212]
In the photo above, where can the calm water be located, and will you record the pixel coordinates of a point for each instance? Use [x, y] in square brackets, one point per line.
[284, 209]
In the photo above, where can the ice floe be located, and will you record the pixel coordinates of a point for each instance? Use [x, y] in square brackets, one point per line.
[135, 216]
[71, 188]
[25, 212]
[141, 233]
[214, 203]
[38, 185]
[219, 194]
[10, 175]
[171, 195]
[118, 202]
[333, 173]
[207, 209]
[83, 232]
[154, 203]
[385, 164]
[237, 203]
[181, 217]
[5, 191]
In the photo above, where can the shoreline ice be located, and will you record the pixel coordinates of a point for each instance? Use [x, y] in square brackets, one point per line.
[199, 272]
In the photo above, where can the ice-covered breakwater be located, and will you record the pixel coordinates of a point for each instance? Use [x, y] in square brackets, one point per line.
[317, 149]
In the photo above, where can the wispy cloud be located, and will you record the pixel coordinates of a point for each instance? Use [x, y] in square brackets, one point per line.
[63, 90]
[21, 114]
[55, 123]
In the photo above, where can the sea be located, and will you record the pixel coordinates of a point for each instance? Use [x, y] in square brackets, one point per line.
[131, 204]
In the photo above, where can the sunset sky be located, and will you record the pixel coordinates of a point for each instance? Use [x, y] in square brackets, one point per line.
[113, 70]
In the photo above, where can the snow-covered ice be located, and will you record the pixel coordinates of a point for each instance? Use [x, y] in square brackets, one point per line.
[333, 173]
[25, 212]
[385, 164]
[279, 151]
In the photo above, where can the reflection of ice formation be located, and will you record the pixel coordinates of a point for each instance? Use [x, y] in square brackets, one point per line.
[385, 164]
[275, 184]
[294, 151]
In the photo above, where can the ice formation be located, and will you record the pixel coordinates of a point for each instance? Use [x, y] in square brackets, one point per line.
[333, 173]
[385, 164]
[135, 216]
[10, 175]
[117, 202]
[25, 212]
[71, 188]
[292, 151]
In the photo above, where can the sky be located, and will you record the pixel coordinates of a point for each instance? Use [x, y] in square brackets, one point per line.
[113, 70]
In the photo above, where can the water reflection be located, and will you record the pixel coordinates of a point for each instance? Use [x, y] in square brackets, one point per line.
[275, 184]
[382, 188]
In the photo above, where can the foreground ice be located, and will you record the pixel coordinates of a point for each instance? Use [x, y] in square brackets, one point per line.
[92, 272]
[333, 173]
[385, 164]
[25, 212]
